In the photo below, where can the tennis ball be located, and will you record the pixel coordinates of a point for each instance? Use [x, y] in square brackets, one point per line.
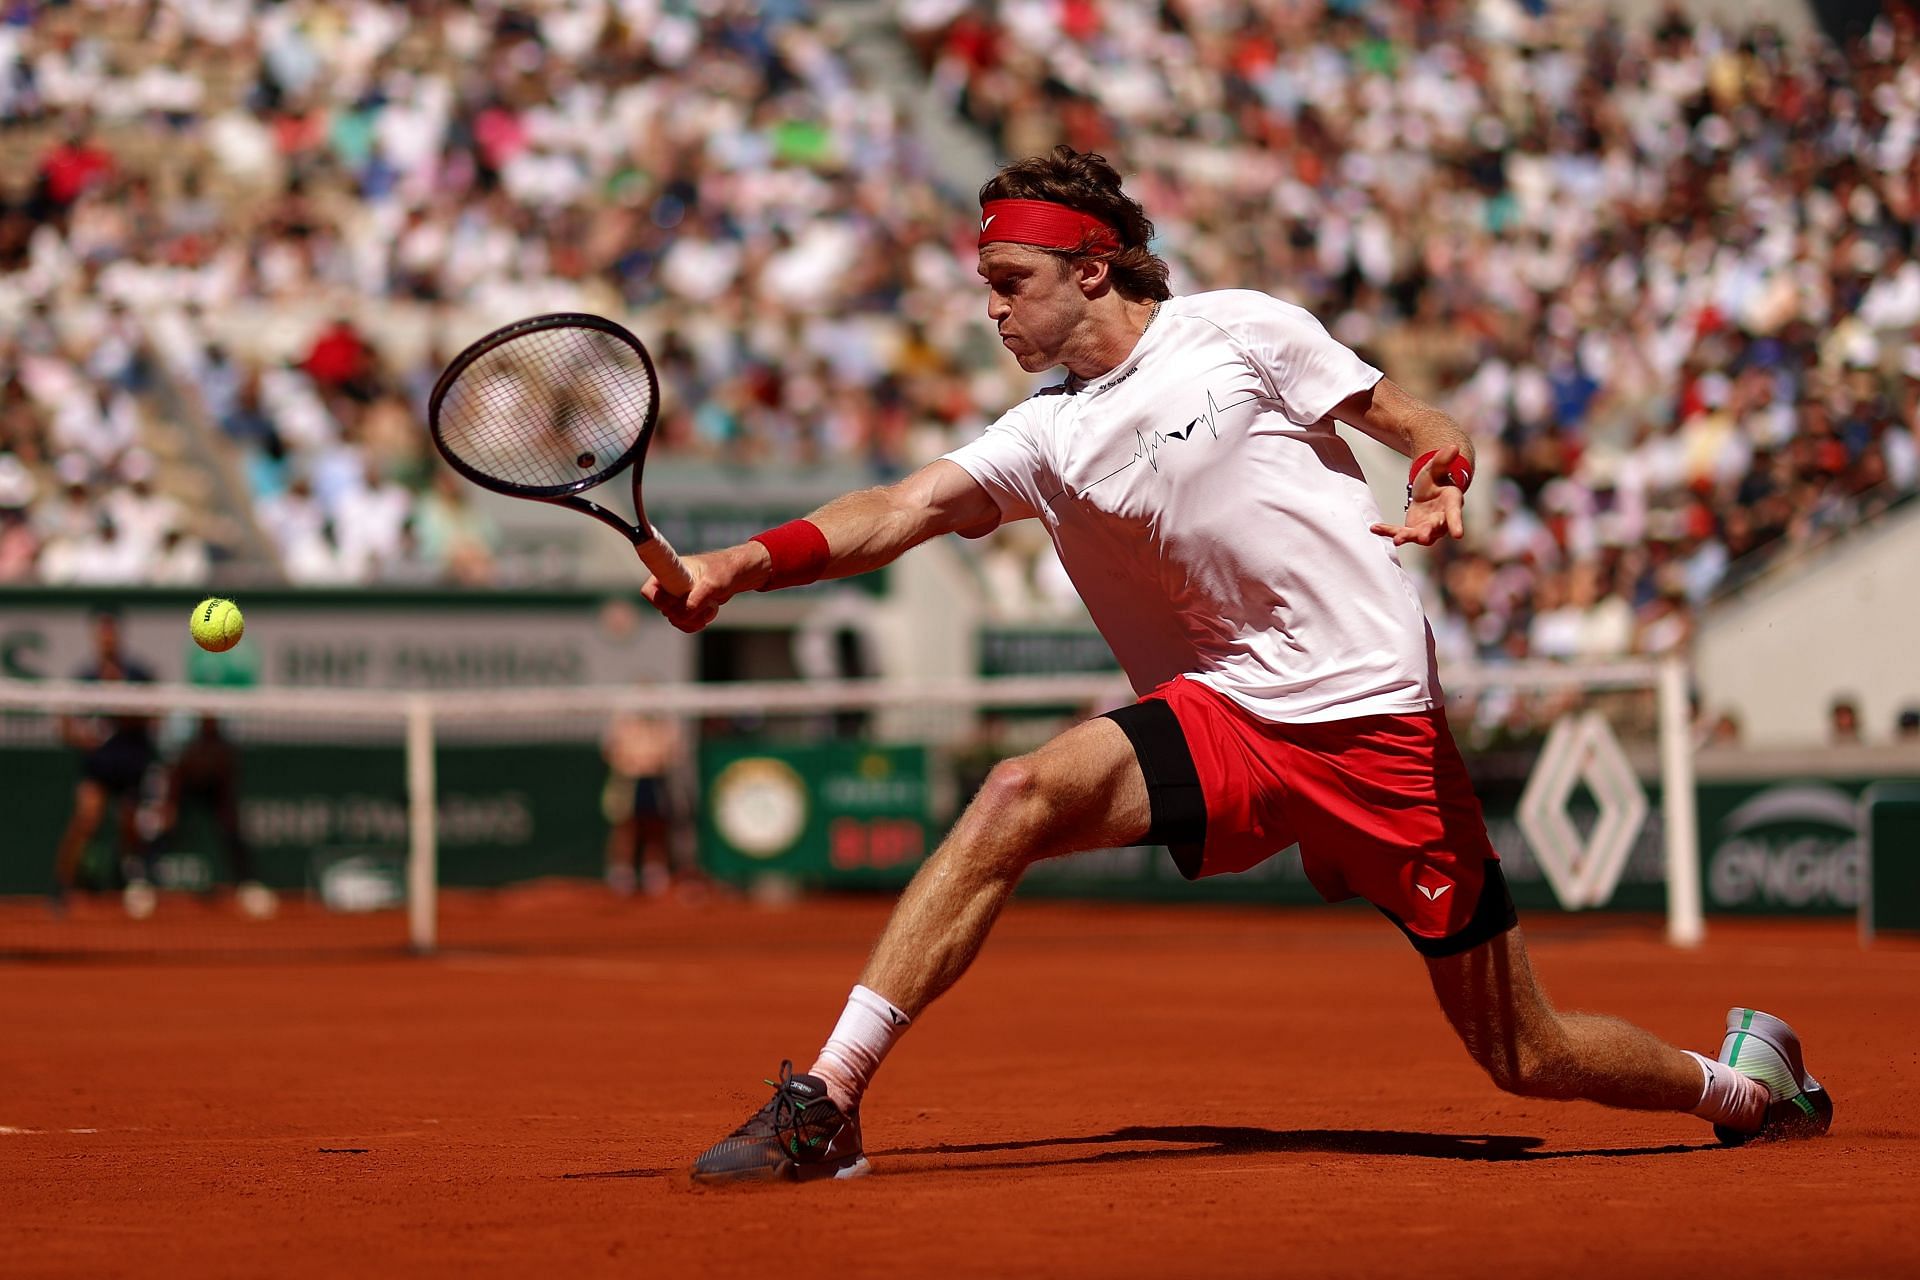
[217, 624]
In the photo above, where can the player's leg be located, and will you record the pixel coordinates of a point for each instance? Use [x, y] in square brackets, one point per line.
[222, 799]
[1528, 1047]
[1758, 1087]
[652, 854]
[136, 856]
[217, 794]
[89, 806]
[1083, 790]
[619, 873]
[1387, 812]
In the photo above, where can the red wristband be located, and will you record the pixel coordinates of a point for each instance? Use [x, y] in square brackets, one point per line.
[1459, 475]
[799, 553]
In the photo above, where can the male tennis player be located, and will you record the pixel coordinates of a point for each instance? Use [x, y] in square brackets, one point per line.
[1222, 537]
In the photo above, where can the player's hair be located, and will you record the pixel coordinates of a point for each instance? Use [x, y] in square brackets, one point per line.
[1085, 181]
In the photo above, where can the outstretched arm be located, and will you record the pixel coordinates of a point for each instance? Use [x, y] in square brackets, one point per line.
[864, 530]
[1416, 429]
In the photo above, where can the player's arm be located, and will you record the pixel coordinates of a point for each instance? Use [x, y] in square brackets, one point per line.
[1442, 450]
[861, 531]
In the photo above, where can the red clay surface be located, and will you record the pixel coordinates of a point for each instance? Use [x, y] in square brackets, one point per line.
[1113, 1091]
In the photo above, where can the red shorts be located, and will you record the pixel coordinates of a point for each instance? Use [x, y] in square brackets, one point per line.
[1381, 807]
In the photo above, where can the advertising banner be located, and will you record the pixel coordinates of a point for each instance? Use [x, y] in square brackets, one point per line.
[358, 639]
[313, 812]
[838, 814]
[1768, 846]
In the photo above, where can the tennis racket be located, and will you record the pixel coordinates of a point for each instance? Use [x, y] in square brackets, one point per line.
[549, 407]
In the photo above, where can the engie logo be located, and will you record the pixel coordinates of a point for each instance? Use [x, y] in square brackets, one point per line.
[1795, 846]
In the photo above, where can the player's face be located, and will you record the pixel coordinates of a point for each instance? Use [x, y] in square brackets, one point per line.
[1034, 299]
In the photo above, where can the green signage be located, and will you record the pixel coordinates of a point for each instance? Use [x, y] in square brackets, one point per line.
[1768, 847]
[705, 528]
[506, 814]
[829, 813]
[1890, 816]
[1026, 651]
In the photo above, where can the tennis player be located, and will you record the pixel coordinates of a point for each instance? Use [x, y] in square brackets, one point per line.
[1222, 536]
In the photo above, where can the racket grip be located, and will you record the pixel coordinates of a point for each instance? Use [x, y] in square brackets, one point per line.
[665, 564]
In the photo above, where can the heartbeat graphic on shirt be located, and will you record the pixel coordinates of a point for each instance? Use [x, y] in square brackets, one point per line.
[1150, 448]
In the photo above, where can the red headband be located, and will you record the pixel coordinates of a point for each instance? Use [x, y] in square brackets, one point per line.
[1048, 225]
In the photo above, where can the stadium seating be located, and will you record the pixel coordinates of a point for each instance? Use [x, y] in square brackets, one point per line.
[237, 243]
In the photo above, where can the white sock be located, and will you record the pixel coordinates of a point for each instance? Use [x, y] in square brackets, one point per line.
[1730, 1098]
[866, 1030]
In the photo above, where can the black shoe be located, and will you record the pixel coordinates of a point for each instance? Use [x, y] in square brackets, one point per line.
[799, 1135]
[1762, 1046]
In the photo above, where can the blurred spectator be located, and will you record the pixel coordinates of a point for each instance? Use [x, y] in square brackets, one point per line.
[142, 515]
[315, 558]
[71, 168]
[19, 547]
[180, 559]
[1843, 722]
[453, 532]
[101, 556]
[1725, 731]
[292, 518]
[371, 513]
[1907, 727]
[101, 422]
[340, 360]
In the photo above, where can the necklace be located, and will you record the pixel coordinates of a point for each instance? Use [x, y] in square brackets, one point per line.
[1151, 317]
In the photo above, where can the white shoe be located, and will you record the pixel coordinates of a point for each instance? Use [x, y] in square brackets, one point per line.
[1764, 1047]
[139, 899]
[256, 901]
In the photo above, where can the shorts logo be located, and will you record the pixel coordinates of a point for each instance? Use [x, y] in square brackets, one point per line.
[1433, 895]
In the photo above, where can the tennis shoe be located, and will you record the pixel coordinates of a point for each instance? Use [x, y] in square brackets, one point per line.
[1762, 1046]
[255, 900]
[139, 899]
[801, 1134]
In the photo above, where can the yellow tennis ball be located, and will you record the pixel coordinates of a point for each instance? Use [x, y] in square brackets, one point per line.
[217, 624]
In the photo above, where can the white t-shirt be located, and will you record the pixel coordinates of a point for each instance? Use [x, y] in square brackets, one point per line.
[1213, 521]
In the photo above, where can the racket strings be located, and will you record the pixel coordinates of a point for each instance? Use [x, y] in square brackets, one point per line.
[549, 408]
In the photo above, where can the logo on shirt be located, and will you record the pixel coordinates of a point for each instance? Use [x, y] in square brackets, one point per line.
[1210, 421]
[1149, 446]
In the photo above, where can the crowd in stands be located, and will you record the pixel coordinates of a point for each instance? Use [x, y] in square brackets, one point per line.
[1667, 277]
[210, 175]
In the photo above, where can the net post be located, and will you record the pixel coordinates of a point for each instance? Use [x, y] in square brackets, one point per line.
[423, 859]
[1686, 925]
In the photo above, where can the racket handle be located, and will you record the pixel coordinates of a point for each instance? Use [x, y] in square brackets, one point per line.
[665, 564]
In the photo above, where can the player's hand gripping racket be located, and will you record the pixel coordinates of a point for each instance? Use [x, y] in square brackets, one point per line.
[549, 407]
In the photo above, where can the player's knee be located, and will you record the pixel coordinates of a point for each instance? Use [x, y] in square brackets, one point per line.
[1011, 789]
[1013, 802]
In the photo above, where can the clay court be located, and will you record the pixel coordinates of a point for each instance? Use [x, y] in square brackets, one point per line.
[1113, 1091]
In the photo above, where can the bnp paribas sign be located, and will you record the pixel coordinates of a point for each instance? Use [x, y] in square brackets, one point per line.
[362, 639]
[1785, 846]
